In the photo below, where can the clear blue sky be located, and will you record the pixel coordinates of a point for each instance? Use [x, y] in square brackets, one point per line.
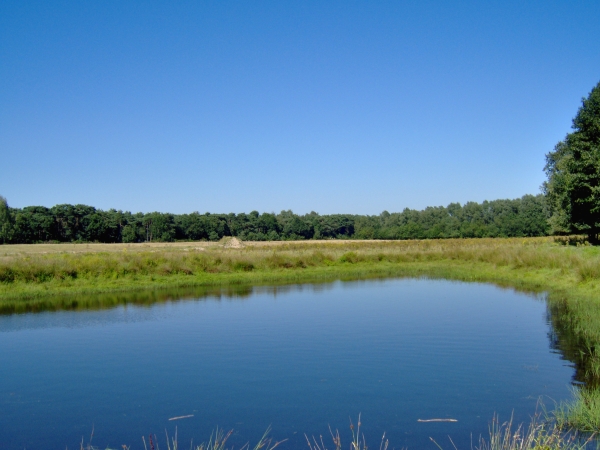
[354, 107]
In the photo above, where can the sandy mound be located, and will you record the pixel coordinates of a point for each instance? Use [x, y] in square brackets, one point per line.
[233, 243]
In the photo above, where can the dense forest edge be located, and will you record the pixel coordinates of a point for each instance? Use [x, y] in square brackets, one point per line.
[527, 216]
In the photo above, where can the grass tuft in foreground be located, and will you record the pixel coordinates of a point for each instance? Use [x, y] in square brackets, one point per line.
[538, 435]
[217, 441]
[358, 441]
[582, 412]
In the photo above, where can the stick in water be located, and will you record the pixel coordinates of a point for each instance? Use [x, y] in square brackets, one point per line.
[181, 417]
[437, 420]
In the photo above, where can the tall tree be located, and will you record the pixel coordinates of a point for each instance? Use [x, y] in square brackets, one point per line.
[6, 227]
[573, 171]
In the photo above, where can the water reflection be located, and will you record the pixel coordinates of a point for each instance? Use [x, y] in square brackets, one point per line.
[298, 357]
[566, 335]
[81, 302]
[574, 334]
[152, 297]
[576, 342]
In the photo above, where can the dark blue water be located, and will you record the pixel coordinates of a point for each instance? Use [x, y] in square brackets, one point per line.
[298, 359]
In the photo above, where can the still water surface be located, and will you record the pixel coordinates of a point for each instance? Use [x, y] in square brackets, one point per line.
[297, 358]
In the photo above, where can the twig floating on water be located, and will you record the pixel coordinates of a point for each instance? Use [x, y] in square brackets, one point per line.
[437, 420]
[181, 417]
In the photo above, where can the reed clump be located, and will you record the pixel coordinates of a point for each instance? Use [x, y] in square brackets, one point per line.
[582, 412]
[537, 435]
[218, 440]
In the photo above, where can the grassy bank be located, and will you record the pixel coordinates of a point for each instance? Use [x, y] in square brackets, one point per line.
[38, 276]
[534, 263]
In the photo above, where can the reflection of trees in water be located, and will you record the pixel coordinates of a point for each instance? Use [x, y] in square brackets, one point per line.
[575, 334]
[71, 302]
[107, 301]
[575, 331]
[150, 297]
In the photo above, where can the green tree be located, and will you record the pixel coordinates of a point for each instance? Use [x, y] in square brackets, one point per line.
[573, 171]
[34, 224]
[6, 225]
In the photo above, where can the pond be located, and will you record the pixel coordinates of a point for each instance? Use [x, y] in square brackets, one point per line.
[297, 358]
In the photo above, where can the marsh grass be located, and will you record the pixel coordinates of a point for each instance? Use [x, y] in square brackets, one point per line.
[537, 435]
[217, 441]
[582, 412]
[357, 442]
[529, 261]
[541, 433]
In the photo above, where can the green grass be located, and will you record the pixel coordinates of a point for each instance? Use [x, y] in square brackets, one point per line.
[533, 264]
[537, 435]
[582, 412]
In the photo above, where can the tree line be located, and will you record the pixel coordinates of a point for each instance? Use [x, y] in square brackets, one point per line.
[526, 216]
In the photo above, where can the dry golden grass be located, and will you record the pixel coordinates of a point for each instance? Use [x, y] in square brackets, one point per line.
[74, 265]
[42, 249]
[31, 249]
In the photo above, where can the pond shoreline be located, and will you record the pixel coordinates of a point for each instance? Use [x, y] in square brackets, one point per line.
[535, 264]
[569, 275]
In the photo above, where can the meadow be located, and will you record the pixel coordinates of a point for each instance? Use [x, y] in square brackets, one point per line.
[538, 264]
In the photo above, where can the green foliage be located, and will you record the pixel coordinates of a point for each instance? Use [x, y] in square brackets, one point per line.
[582, 412]
[159, 227]
[573, 171]
[130, 234]
[6, 223]
[349, 257]
[522, 217]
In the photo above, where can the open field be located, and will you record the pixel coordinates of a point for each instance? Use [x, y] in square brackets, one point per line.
[42, 249]
[50, 248]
